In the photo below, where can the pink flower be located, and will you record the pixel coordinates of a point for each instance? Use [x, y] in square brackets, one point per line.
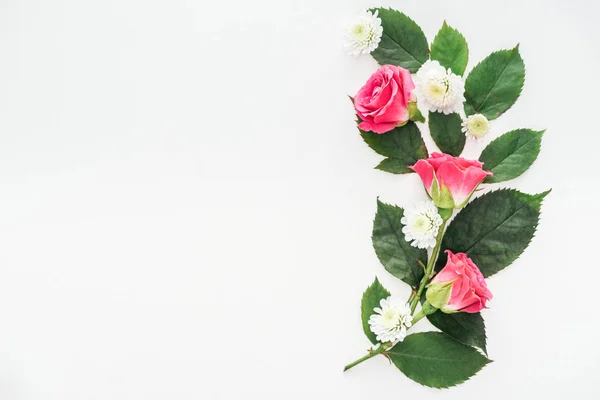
[459, 286]
[382, 104]
[450, 181]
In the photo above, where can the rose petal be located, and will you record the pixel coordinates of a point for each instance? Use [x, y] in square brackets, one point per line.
[377, 128]
[426, 173]
[460, 182]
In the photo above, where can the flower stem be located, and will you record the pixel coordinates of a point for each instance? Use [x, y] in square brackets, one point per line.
[445, 214]
[418, 317]
[413, 300]
[372, 353]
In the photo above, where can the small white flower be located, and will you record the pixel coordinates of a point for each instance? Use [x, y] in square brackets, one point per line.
[421, 224]
[390, 322]
[475, 126]
[440, 89]
[364, 33]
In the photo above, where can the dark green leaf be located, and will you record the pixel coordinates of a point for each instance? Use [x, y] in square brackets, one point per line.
[397, 255]
[464, 327]
[370, 300]
[446, 132]
[394, 166]
[495, 84]
[450, 49]
[511, 154]
[436, 360]
[494, 229]
[403, 42]
[403, 146]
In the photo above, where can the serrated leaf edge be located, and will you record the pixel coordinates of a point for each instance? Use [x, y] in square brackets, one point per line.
[417, 25]
[515, 49]
[362, 322]
[483, 349]
[486, 362]
[541, 133]
[416, 279]
[534, 197]
[445, 25]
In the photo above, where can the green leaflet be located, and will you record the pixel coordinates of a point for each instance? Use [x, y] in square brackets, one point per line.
[466, 328]
[511, 154]
[493, 229]
[446, 131]
[371, 298]
[450, 49]
[403, 42]
[403, 146]
[393, 166]
[495, 84]
[436, 360]
[397, 255]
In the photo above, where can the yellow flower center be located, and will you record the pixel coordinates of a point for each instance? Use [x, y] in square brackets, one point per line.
[478, 125]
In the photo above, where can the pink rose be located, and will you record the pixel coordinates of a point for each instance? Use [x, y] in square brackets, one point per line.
[382, 104]
[459, 286]
[450, 181]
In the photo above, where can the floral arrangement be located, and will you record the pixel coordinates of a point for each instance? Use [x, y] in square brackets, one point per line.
[447, 247]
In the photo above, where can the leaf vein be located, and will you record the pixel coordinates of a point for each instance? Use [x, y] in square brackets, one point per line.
[494, 85]
[403, 48]
[500, 224]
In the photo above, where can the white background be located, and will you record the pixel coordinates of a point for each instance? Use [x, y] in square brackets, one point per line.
[186, 205]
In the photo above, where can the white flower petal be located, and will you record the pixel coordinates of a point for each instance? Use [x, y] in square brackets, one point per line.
[439, 89]
[364, 33]
[421, 225]
[475, 126]
[391, 322]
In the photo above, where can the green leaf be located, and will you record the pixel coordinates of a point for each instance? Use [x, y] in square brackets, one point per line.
[463, 327]
[493, 229]
[403, 42]
[397, 255]
[446, 131]
[436, 360]
[403, 146]
[511, 154]
[495, 84]
[450, 49]
[394, 166]
[370, 300]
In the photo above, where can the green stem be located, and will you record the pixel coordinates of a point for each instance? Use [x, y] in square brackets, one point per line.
[413, 300]
[418, 317]
[383, 347]
[413, 303]
[372, 353]
[445, 214]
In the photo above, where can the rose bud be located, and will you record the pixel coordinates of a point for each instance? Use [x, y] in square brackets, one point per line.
[450, 181]
[383, 103]
[459, 286]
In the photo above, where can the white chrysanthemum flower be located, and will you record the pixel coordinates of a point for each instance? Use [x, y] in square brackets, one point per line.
[440, 89]
[475, 126]
[421, 224]
[364, 33]
[391, 320]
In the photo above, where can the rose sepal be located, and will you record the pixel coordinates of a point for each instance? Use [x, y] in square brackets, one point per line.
[442, 198]
[414, 114]
[427, 308]
[438, 294]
